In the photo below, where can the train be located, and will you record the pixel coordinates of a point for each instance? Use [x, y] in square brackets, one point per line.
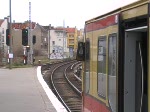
[115, 55]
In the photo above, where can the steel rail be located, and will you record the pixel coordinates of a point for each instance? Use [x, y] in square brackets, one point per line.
[55, 87]
[71, 84]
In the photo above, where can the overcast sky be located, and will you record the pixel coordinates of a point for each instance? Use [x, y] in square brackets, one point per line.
[45, 12]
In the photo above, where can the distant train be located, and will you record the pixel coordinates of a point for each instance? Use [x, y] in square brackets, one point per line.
[116, 60]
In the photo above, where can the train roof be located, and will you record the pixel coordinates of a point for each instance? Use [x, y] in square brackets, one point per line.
[118, 10]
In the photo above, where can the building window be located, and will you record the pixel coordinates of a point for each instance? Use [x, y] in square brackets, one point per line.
[53, 42]
[71, 41]
[71, 35]
[59, 34]
[45, 39]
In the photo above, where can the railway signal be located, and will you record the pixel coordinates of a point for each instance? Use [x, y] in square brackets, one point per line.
[8, 37]
[25, 37]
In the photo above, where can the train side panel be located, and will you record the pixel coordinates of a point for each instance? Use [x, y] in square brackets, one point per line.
[116, 72]
[99, 32]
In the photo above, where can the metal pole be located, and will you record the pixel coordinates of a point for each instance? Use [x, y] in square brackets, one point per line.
[63, 43]
[49, 42]
[8, 19]
[63, 38]
[48, 45]
[30, 35]
[10, 31]
[24, 53]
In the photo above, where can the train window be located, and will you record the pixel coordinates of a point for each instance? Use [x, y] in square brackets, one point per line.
[87, 65]
[112, 66]
[101, 64]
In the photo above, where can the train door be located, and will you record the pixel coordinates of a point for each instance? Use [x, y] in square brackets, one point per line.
[135, 70]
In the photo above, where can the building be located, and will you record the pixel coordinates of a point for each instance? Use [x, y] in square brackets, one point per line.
[80, 35]
[72, 39]
[18, 48]
[3, 46]
[42, 33]
[58, 43]
[62, 41]
[39, 48]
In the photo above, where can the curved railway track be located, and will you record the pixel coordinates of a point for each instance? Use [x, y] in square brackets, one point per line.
[72, 79]
[77, 71]
[70, 99]
[62, 76]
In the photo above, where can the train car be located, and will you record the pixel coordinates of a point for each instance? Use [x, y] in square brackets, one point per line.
[116, 60]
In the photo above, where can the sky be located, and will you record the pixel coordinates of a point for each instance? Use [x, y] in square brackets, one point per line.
[72, 13]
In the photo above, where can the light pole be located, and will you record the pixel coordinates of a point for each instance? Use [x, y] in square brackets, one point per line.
[10, 31]
[28, 51]
[49, 36]
[30, 36]
[63, 43]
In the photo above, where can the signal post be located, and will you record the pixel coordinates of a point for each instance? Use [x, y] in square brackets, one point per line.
[10, 38]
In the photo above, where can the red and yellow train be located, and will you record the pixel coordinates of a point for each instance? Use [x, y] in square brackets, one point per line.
[116, 60]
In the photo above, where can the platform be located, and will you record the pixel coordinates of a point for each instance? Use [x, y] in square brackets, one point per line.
[24, 90]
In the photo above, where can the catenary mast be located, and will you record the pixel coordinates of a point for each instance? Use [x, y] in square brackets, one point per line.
[30, 35]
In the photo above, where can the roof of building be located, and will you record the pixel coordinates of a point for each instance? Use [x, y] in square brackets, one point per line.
[59, 28]
[22, 25]
[41, 27]
[46, 27]
[1, 21]
[70, 30]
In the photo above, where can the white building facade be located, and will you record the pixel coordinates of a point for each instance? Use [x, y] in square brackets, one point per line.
[3, 46]
[58, 43]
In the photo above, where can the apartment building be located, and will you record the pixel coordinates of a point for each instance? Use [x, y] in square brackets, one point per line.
[63, 41]
[80, 35]
[3, 46]
[58, 43]
[73, 36]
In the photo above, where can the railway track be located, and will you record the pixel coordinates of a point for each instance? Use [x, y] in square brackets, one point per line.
[77, 71]
[73, 79]
[60, 74]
